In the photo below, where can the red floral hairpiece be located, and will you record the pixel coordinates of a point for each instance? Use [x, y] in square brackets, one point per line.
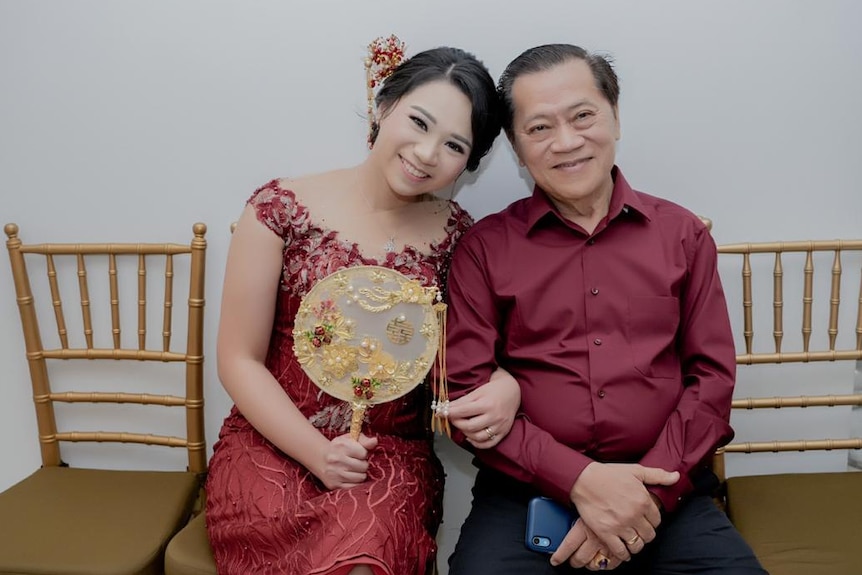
[384, 55]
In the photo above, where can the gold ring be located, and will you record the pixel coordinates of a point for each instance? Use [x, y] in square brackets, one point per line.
[491, 434]
[633, 540]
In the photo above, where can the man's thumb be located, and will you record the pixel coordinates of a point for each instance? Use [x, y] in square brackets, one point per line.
[658, 476]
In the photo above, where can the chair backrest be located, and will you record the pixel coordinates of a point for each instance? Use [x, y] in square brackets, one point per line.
[768, 272]
[119, 260]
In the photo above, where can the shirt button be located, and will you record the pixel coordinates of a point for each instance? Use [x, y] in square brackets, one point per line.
[597, 341]
[601, 393]
[594, 291]
[591, 241]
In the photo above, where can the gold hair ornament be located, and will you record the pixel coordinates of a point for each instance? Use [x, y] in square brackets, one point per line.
[384, 56]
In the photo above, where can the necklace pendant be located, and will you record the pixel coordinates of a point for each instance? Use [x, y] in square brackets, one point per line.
[389, 246]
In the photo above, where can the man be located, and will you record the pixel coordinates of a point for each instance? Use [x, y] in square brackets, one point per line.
[605, 304]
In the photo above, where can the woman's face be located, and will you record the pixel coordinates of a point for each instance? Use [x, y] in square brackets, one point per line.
[425, 139]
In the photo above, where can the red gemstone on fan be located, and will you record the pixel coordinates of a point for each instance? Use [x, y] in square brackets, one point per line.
[316, 342]
[357, 391]
[319, 330]
[369, 394]
[366, 382]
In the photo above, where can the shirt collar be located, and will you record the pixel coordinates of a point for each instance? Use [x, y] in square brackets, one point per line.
[623, 200]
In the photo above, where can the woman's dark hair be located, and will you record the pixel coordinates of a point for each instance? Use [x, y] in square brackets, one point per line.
[464, 71]
[541, 58]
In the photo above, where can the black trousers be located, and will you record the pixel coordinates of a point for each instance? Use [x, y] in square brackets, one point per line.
[697, 538]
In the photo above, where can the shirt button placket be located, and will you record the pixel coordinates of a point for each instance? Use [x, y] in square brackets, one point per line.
[597, 342]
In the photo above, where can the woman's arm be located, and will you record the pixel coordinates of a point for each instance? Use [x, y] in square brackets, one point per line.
[253, 272]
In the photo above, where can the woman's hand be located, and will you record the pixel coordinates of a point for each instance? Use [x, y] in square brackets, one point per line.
[345, 463]
[485, 415]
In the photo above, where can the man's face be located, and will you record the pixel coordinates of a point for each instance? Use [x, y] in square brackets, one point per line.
[565, 131]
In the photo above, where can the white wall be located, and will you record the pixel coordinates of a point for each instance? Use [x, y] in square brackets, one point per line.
[131, 120]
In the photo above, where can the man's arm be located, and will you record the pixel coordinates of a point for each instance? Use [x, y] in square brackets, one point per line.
[476, 317]
[707, 359]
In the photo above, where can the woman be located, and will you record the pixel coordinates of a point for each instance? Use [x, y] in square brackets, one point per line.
[289, 491]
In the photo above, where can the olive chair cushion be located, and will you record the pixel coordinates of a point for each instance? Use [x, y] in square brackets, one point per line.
[65, 521]
[801, 523]
[189, 552]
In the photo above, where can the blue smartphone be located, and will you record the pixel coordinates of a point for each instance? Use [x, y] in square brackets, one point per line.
[548, 522]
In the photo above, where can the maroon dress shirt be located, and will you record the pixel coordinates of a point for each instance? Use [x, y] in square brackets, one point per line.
[620, 339]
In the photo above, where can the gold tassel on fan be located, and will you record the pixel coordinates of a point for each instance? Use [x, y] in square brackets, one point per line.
[439, 387]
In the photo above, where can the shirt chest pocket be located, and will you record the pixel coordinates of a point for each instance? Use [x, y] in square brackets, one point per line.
[653, 325]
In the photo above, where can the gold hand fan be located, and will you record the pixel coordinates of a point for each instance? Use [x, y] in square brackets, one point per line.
[367, 335]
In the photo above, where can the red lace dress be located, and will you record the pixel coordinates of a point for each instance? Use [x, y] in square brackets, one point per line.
[268, 514]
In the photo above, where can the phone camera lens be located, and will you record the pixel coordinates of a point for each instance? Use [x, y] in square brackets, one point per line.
[536, 541]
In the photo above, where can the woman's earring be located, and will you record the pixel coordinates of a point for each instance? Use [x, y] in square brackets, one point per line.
[373, 129]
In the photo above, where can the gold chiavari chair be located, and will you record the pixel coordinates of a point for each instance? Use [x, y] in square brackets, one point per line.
[798, 523]
[189, 552]
[92, 520]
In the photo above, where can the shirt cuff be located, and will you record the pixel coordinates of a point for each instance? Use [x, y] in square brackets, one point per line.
[558, 470]
[672, 495]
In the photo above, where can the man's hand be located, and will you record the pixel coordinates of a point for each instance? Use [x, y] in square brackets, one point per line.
[581, 547]
[613, 501]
